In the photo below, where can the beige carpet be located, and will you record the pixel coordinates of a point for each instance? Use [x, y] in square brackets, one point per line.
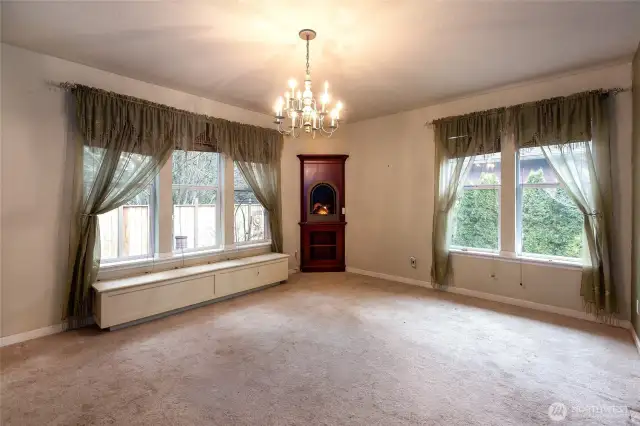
[328, 349]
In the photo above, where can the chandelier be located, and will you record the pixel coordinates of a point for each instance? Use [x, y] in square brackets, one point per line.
[301, 112]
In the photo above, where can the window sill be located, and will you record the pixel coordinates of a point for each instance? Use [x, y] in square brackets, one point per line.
[173, 257]
[512, 257]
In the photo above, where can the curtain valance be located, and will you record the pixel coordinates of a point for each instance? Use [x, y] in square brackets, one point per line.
[99, 111]
[557, 120]
[471, 134]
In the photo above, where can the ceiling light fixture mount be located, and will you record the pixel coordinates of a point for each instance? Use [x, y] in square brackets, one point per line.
[301, 112]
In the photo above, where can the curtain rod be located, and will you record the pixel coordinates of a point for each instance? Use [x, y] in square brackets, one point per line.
[68, 86]
[613, 91]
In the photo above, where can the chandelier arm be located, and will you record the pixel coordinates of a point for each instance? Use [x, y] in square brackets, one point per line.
[281, 130]
[328, 134]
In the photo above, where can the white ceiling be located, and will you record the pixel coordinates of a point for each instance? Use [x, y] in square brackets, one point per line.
[380, 56]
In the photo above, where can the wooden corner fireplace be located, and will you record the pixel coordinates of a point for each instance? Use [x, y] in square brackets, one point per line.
[322, 213]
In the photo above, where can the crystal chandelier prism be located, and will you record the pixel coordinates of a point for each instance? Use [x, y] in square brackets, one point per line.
[299, 112]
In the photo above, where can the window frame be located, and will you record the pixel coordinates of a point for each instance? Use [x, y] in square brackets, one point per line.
[520, 186]
[219, 223]
[481, 187]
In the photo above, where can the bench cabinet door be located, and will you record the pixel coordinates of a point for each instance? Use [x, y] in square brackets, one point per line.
[144, 302]
[235, 281]
[272, 273]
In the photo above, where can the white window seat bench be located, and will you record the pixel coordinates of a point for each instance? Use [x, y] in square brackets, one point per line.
[128, 300]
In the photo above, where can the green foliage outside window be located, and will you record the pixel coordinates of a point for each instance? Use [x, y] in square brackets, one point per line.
[551, 222]
[476, 216]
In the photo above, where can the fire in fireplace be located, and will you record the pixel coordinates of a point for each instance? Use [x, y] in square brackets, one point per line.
[320, 209]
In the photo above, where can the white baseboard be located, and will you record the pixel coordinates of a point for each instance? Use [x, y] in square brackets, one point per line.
[493, 297]
[635, 337]
[404, 280]
[293, 271]
[33, 334]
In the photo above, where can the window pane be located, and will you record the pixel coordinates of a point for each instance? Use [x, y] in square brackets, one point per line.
[195, 168]
[250, 219]
[135, 226]
[551, 222]
[194, 218]
[109, 235]
[129, 165]
[485, 170]
[125, 231]
[534, 167]
[195, 199]
[475, 219]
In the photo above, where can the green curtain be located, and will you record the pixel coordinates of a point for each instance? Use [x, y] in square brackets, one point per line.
[264, 180]
[117, 157]
[257, 154]
[122, 143]
[573, 133]
[457, 140]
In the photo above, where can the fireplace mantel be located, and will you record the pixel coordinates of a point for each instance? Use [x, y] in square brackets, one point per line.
[322, 212]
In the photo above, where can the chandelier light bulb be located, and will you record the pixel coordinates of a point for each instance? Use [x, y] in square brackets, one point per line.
[307, 114]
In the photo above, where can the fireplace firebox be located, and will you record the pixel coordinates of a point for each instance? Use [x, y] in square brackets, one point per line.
[322, 213]
[322, 203]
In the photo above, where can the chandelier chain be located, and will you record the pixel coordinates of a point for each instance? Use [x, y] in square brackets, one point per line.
[307, 55]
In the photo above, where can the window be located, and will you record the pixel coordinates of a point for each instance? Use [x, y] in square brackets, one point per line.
[196, 200]
[126, 233]
[476, 214]
[250, 218]
[548, 221]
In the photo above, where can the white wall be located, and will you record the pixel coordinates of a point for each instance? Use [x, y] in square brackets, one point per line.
[36, 176]
[390, 195]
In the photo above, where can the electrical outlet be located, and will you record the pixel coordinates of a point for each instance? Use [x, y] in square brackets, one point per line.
[413, 262]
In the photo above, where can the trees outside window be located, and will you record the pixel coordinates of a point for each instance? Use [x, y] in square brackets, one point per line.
[476, 214]
[549, 222]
